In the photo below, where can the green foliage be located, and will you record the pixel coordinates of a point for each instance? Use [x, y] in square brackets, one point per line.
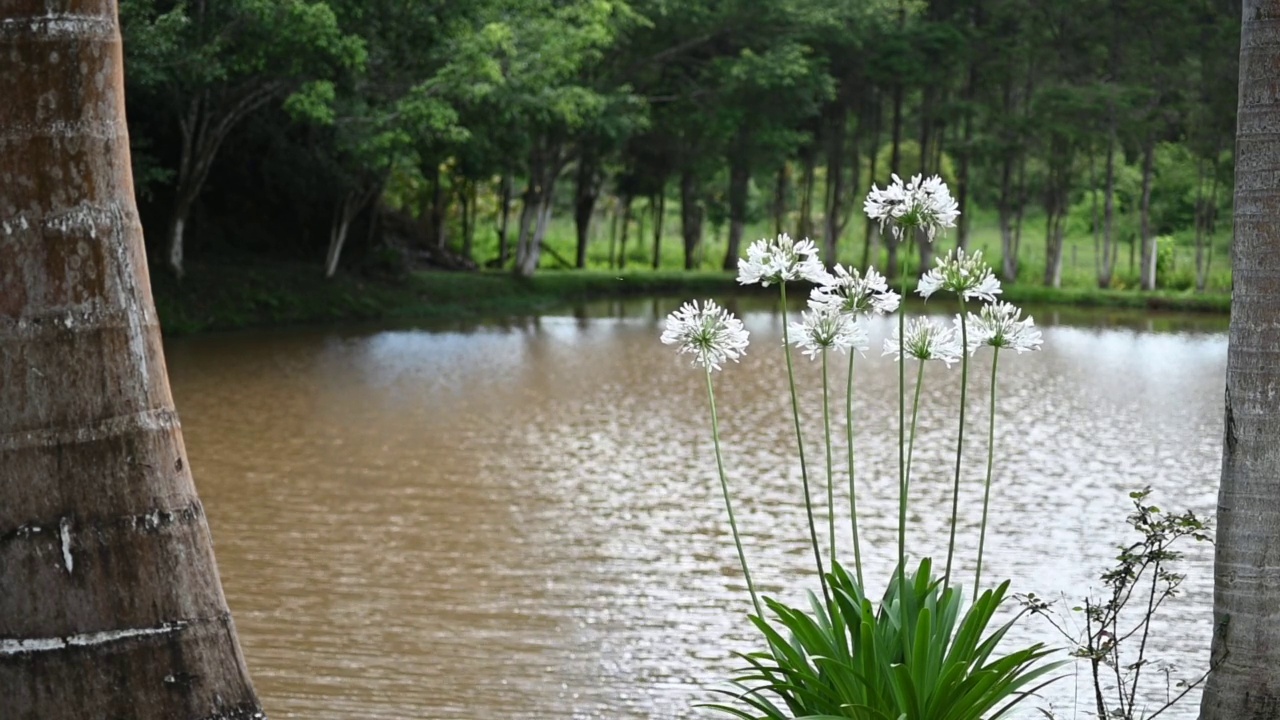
[915, 656]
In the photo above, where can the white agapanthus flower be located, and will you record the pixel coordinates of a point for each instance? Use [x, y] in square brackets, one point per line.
[710, 333]
[964, 275]
[923, 203]
[926, 339]
[848, 291]
[779, 260]
[1000, 325]
[825, 329]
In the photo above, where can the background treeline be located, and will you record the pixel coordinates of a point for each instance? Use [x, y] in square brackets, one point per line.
[1085, 139]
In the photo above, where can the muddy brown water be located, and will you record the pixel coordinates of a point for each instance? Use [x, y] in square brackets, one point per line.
[522, 519]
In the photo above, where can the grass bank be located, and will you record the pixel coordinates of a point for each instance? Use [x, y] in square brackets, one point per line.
[214, 297]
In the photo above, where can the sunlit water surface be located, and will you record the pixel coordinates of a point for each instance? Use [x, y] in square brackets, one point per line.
[523, 519]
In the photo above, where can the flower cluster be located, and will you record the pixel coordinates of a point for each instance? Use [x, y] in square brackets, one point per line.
[848, 291]
[779, 260]
[825, 329]
[923, 203]
[965, 275]
[711, 333]
[926, 339]
[1000, 325]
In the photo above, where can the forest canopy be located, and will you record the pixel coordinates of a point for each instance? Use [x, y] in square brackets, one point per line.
[466, 133]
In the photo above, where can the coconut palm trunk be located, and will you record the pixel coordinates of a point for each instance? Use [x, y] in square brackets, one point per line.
[1246, 602]
[110, 602]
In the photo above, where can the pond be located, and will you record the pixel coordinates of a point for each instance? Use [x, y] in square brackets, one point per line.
[522, 519]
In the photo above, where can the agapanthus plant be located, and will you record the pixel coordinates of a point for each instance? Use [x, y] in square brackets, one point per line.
[917, 655]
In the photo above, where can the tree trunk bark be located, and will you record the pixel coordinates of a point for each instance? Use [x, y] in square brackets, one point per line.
[1109, 240]
[504, 215]
[586, 193]
[111, 603]
[869, 255]
[690, 218]
[739, 176]
[626, 225]
[833, 213]
[659, 205]
[807, 181]
[781, 188]
[342, 217]
[1245, 683]
[1148, 273]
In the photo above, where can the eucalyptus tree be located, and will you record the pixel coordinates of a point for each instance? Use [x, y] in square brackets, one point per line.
[1245, 680]
[112, 605]
[546, 98]
[208, 65]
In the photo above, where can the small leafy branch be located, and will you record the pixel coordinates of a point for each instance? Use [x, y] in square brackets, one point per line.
[1140, 582]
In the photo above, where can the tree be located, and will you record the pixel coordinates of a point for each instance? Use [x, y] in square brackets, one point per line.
[1245, 683]
[111, 602]
[212, 64]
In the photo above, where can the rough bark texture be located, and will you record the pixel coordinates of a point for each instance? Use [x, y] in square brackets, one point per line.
[110, 602]
[1246, 604]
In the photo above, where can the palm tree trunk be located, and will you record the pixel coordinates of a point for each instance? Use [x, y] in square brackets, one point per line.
[111, 603]
[1246, 599]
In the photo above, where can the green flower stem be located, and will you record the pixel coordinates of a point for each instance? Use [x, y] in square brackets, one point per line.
[804, 472]
[915, 415]
[964, 387]
[853, 497]
[831, 493]
[728, 506]
[986, 493]
[902, 430]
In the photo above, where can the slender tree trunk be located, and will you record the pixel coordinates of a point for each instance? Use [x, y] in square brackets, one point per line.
[1245, 684]
[1148, 274]
[111, 605]
[1109, 240]
[586, 193]
[962, 183]
[613, 235]
[505, 191]
[342, 217]
[436, 215]
[1004, 209]
[469, 220]
[807, 182]
[659, 205]
[869, 228]
[626, 225]
[690, 218]
[781, 189]
[739, 176]
[834, 210]
[1201, 275]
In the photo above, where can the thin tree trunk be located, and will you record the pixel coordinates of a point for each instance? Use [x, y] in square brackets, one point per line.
[626, 225]
[781, 188]
[586, 192]
[869, 228]
[1201, 222]
[1245, 683]
[690, 218]
[613, 235]
[469, 220]
[110, 589]
[436, 215]
[1109, 241]
[504, 211]
[966, 151]
[342, 217]
[1148, 274]
[739, 176]
[659, 205]
[805, 230]
[833, 213]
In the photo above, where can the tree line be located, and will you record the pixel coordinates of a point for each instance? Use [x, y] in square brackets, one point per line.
[290, 127]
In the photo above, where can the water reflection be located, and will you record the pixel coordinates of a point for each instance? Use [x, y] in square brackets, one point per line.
[522, 519]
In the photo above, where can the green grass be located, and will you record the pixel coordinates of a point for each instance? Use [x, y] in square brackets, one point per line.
[223, 297]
